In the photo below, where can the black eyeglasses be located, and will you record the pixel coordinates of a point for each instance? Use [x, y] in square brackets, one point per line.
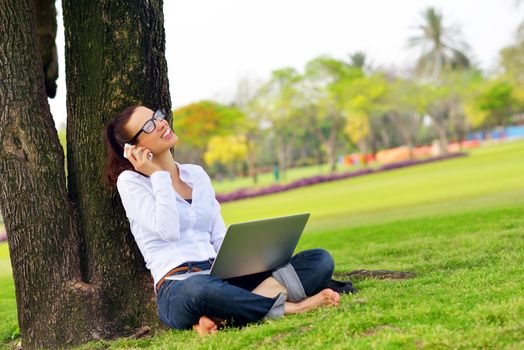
[150, 125]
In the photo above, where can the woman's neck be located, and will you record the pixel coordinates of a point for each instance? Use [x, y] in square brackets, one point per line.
[167, 162]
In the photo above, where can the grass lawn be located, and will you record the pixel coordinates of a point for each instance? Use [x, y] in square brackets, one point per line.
[491, 177]
[459, 224]
[8, 320]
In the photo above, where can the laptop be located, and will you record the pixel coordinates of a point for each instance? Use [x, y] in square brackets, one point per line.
[255, 246]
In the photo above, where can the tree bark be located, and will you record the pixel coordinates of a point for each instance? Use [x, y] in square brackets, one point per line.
[38, 215]
[115, 57]
[78, 273]
[45, 11]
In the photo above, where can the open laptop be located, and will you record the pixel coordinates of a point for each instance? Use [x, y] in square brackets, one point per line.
[255, 246]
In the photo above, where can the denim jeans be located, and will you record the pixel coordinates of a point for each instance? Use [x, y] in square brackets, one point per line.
[180, 303]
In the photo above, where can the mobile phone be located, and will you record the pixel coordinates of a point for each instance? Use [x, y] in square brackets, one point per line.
[127, 146]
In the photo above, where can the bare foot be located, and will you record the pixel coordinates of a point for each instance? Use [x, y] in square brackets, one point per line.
[205, 326]
[326, 297]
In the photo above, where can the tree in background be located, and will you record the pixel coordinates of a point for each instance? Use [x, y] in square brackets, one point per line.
[512, 61]
[364, 100]
[359, 60]
[77, 271]
[512, 56]
[283, 104]
[199, 122]
[441, 46]
[325, 85]
[228, 152]
[405, 105]
[493, 104]
[446, 104]
[443, 51]
[247, 101]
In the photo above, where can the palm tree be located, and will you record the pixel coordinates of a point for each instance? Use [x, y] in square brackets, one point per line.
[441, 46]
[358, 60]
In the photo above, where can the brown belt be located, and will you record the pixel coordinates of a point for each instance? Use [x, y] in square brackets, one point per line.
[173, 271]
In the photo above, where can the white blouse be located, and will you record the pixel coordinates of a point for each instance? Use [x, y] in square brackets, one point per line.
[167, 229]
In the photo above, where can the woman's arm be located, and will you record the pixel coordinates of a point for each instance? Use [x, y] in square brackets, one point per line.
[155, 213]
[219, 227]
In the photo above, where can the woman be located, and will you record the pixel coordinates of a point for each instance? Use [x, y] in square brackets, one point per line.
[176, 222]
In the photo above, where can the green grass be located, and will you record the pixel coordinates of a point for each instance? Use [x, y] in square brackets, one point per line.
[459, 224]
[468, 292]
[8, 320]
[490, 177]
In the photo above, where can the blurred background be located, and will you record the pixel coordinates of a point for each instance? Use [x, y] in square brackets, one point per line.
[269, 92]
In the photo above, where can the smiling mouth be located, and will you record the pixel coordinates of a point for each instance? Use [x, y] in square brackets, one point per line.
[167, 134]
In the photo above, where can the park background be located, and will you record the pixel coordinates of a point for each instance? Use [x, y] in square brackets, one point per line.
[457, 223]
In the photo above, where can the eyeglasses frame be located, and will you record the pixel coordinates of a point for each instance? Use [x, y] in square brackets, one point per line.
[160, 112]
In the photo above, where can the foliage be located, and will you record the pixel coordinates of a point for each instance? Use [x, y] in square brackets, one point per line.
[325, 86]
[357, 127]
[226, 150]
[492, 105]
[282, 102]
[512, 61]
[363, 100]
[200, 121]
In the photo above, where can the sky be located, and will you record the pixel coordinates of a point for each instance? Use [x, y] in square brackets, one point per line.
[212, 44]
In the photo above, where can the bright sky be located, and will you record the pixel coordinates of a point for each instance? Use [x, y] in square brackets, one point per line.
[212, 44]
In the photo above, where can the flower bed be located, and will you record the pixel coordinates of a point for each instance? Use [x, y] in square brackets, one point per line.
[249, 193]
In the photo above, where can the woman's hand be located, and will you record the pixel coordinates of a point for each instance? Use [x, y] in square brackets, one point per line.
[138, 156]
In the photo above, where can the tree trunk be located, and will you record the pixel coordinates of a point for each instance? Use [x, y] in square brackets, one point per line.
[114, 58]
[252, 159]
[38, 215]
[440, 116]
[331, 148]
[443, 139]
[78, 273]
[331, 143]
[404, 127]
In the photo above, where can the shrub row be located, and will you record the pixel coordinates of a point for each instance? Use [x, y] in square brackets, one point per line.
[250, 192]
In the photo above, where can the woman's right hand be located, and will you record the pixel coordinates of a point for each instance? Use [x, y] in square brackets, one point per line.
[138, 156]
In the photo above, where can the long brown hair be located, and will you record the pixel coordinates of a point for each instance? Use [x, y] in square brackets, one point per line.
[115, 135]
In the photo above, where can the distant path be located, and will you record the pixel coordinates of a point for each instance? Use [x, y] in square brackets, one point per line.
[3, 235]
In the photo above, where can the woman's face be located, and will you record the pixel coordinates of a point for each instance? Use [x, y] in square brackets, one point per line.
[160, 139]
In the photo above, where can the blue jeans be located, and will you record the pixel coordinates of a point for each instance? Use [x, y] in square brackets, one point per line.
[180, 303]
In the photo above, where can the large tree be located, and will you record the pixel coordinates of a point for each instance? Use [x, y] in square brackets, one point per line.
[78, 273]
